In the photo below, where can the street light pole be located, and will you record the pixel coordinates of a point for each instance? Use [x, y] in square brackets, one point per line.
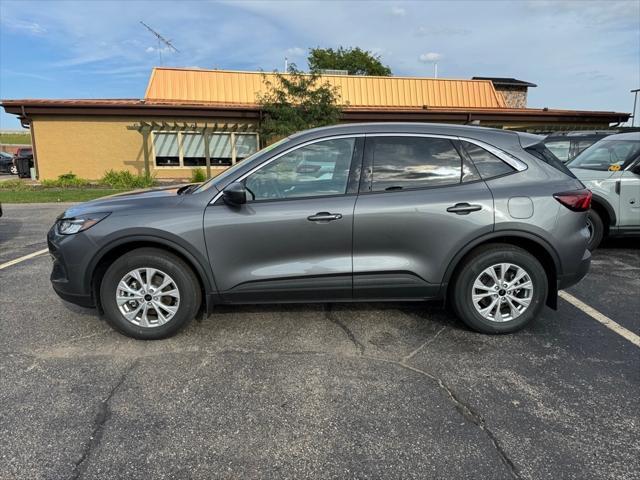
[635, 100]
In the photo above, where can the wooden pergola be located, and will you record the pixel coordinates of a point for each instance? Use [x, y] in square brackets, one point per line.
[145, 128]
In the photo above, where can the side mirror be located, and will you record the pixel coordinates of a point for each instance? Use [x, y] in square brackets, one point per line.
[636, 168]
[235, 194]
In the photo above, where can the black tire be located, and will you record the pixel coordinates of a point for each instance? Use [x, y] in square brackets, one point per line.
[482, 258]
[596, 229]
[183, 276]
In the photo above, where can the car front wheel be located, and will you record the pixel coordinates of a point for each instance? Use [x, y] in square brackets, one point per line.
[499, 289]
[596, 229]
[149, 294]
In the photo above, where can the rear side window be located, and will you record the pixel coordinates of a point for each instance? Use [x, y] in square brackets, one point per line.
[413, 162]
[487, 163]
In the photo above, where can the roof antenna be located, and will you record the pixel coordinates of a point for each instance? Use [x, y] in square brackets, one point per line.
[161, 39]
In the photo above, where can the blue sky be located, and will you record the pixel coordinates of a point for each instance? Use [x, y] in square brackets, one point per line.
[582, 54]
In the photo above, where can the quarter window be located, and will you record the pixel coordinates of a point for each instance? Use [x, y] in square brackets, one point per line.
[486, 162]
[414, 162]
[318, 169]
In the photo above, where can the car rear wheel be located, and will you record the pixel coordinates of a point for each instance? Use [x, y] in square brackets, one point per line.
[596, 229]
[149, 294]
[499, 289]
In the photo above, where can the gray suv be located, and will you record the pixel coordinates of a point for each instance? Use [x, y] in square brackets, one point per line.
[486, 220]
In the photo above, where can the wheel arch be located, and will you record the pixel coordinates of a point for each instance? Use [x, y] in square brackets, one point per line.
[533, 244]
[605, 210]
[105, 257]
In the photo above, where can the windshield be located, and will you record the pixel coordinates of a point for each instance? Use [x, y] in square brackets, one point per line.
[231, 170]
[606, 155]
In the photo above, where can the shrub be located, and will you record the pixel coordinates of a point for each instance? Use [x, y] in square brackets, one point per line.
[125, 180]
[14, 185]
[198, 176]
[66, 180]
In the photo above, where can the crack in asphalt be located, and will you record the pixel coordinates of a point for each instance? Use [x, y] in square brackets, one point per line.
[466, 411]
[103, 415]
[408, 357]
[328, 313]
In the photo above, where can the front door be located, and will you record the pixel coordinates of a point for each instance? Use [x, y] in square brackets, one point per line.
[630, 198]
[292, 240]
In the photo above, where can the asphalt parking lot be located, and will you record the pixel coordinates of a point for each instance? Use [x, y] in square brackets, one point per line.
[315, 391]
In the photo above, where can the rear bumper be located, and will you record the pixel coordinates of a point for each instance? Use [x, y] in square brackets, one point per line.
[570, 279]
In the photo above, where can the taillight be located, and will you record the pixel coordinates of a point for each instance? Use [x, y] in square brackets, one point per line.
[576, 200]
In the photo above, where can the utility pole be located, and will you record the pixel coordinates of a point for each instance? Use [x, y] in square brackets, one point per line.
[635, 100]
[161, 40]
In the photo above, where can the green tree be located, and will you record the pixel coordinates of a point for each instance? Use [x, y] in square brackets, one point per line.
[355, 60]
[295, 102]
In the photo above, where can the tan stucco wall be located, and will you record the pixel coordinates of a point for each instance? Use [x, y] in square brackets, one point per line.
[89, 146]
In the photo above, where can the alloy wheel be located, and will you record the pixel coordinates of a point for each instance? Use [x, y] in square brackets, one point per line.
[147, 297]
[502, 292]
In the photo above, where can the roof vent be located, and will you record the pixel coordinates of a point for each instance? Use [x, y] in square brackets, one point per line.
[329, 71]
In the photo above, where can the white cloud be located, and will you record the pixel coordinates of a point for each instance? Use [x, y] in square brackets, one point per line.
[430, 57]
[296, 51]
[398, 11]
[32, 28]
[424, 30]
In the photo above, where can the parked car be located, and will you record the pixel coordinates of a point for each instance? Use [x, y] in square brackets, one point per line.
[469, 215]
[6, 163]
[568, 145]
[611, 169]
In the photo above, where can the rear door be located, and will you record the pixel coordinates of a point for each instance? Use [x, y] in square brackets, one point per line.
[419, 204]
[292, 239]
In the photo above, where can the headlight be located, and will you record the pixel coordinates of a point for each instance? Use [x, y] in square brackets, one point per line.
[69, 226]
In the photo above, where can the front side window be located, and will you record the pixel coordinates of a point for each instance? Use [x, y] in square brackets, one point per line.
[321, 168]
[487, 163]
[413, 162]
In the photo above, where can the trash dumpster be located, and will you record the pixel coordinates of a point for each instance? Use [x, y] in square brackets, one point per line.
[24, 165]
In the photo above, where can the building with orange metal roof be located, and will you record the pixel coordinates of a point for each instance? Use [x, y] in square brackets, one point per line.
[193, 118]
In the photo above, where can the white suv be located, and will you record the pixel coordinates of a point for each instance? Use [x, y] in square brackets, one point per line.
[610, 168]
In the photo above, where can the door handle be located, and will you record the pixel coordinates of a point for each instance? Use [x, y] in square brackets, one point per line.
[464, 208]
[324, 217]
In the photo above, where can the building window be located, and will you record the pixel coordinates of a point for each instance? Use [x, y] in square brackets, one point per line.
[220, 149]
[189, 149]
[194, 154]
[166, 149]
[246, 145]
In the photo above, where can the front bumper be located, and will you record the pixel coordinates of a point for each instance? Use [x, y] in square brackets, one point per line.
[570, 279]
[68, 273]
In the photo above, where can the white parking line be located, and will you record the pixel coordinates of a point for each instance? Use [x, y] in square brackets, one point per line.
[22, 259]
[603, 319]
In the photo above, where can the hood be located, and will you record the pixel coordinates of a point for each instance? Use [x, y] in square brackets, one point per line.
[585, 174]
[135, 200]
